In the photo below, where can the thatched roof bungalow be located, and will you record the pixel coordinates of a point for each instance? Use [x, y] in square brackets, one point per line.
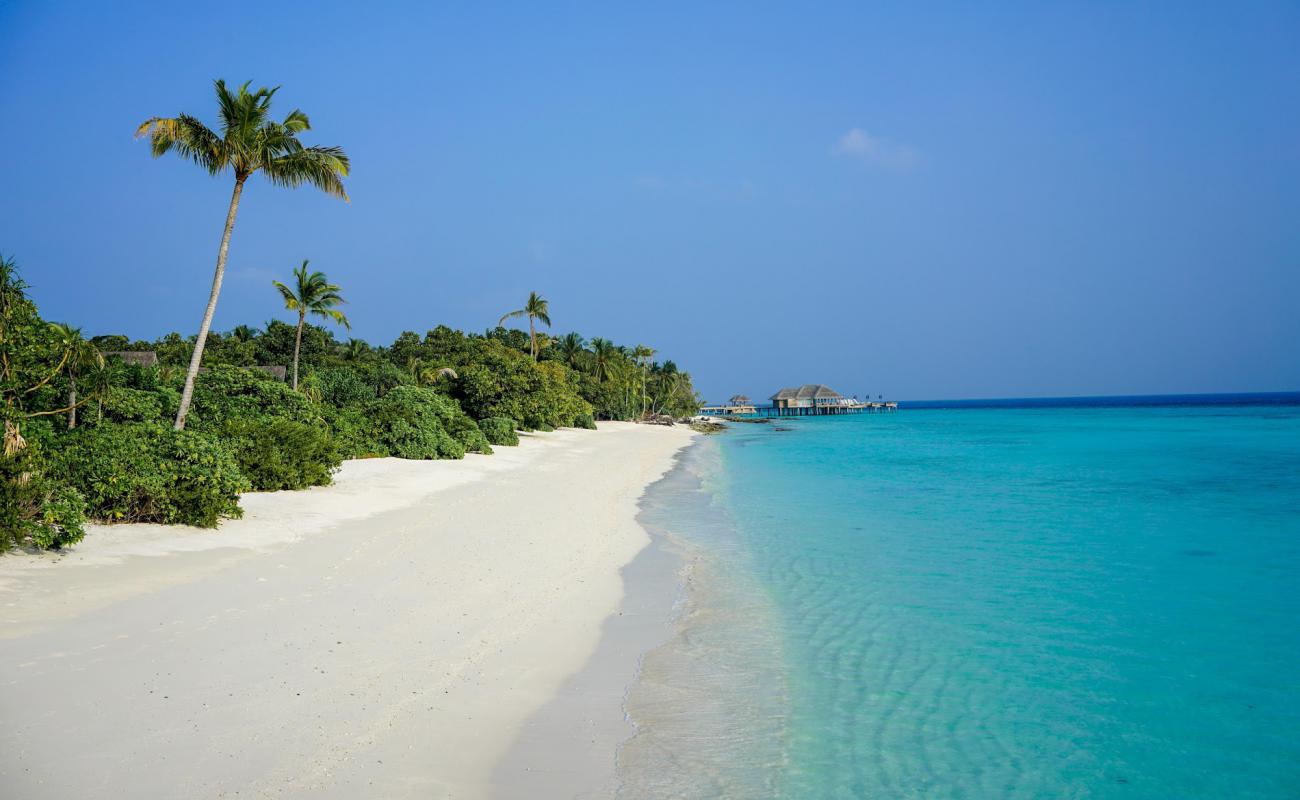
[810, 395]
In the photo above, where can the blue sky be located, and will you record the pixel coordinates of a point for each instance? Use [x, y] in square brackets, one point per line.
[919, 200]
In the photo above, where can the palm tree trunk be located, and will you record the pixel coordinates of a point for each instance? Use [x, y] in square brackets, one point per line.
[532, 336]
[197, 358]
[72, 402]
[297, 345]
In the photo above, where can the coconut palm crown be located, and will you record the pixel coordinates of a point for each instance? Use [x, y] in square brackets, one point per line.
[537, 309]
[313, 294]
[246, 142]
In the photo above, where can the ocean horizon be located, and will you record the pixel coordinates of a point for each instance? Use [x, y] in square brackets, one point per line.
[1046, 597]
[1118, 400]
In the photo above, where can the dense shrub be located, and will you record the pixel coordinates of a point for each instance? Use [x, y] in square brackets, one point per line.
[341, 387]
[507, 383]
[499, 431]
[222, 394]
[546, 427]
[354, 433]
[560, 401]
[282, 454]
[36, 510]
[151, 473]
[411, 422]
[585, 421]
[122, 404]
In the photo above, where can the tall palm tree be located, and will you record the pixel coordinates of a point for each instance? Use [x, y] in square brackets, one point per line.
[537, 309]
[246, 142]
[82, 356]
[311, 294]
[643, 355]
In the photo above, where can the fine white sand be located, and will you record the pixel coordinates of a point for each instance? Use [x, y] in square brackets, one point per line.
[387, 636]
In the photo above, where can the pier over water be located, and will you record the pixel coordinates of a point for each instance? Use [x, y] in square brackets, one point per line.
[811, 399]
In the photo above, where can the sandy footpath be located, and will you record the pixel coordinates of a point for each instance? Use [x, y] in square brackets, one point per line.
[387, 636]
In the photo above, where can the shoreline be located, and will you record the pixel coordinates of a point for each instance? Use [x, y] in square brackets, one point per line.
[569, 748]
[389, 635]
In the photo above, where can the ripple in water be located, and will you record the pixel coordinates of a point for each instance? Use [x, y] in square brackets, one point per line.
[710, 705]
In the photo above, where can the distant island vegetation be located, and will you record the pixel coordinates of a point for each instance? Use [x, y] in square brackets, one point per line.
[174, 429]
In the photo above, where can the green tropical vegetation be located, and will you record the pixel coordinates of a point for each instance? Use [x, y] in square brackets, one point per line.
[311, 294]
[438, 395]
[173, 430]
[537, 309]
[247, 141]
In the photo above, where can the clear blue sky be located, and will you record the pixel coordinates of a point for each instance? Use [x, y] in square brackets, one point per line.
[920, 200]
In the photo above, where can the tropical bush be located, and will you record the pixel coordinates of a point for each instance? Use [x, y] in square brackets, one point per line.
[35, 509]
[282, 454]
[415, 398]
[499, 431]
[507, 383]
[151, 473]
[123, 404]
[341, 386]
[223, 393]
[412, 422]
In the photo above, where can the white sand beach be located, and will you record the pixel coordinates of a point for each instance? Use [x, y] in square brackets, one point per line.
[387, 636]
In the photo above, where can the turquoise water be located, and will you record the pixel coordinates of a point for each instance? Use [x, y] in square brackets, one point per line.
[1047, 602]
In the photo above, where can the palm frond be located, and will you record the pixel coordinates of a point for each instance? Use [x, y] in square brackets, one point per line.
[297, 121]
[334, 314]
[188, 137]
[322, 167]
[290, 299]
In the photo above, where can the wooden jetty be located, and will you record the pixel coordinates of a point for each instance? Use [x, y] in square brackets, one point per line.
[809, 400]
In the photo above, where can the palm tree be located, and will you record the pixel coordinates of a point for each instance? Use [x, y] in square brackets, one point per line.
[573, 350]
[81, 356]
[248, 141]
[423, 373]
[312, 294]
[643, 355]
[243, 333]
[606, 359]
[536, 309]
[356, 349]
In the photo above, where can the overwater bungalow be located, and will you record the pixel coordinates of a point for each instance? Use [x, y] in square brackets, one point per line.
[811, 399]
[738, 406]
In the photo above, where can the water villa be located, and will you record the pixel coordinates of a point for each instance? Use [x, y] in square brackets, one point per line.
[811, 399]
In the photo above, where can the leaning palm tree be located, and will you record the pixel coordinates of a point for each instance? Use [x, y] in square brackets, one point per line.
[247, 141]
[537, 309]
[82, 356]
[311, 294]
